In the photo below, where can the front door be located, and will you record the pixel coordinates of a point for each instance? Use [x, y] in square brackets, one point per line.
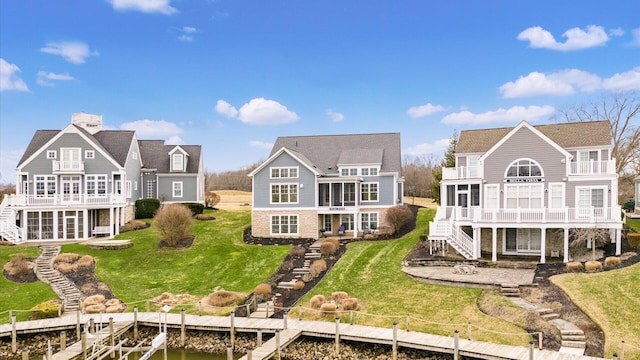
[70, 222]
[463, 204]
[70, 189]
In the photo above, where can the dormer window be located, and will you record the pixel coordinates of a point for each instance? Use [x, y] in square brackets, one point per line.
[177, 162]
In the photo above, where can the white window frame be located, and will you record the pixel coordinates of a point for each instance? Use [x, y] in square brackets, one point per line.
[95, 180]
[175, 158]
[127, 189]
[556, 191]
[280, 193]
[134, 155]
[73, 161]
[327, 222]
[281, 226]
[369, 192]
[352, 196]
[348, 221]
[52, 154]
[348, 171]
[284, 172]
[531, 163]
[489, 201]
[89, 154]
[473, 166]
[582, 153]
[367, 219]
[519, 189]
[520, 232]
[49, 185]
[177, 188]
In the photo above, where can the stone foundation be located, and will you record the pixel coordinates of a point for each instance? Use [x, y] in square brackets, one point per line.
[307, 223]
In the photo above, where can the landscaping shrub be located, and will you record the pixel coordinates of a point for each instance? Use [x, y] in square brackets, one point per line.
[299, 285]
[262, 292]
[385, 230]
[112, 302]
[316, 301]
[634, 240]
[328, 308]
[95, 309]
[66, 268]
[629, 205]
[66, 258]
[593, 266]
[204, 217]
[174, 223]
[115, 308]
[18, 266]
[222, 298]
[86, 262]
[211, 199]
[146, 208]
[45, 310]
[338, 296]
[334, 241]
[296, 251]
[398, 216]
[317, 267]
[307, 277]
[94, 300]
[134, 225]
[196, 208]
[350, 304]
[287, 265]
[612, 261]
[327, 248]
[574, 266]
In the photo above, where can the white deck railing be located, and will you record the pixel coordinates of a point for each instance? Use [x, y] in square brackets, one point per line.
[593, 167]
[65, 199]
[545, 215]
[461, 172]
[68, 166]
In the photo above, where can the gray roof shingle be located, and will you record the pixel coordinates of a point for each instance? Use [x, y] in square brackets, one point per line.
[155, 155]
[39, 139]
[325, 152]
[567, 135]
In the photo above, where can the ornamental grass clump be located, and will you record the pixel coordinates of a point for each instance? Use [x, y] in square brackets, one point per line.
[338, 296]
[317, 300]
[174, 223]
[299, 285]
[612, 261]
[222, 298]
[19, 266]
[593, 266]
[66, 258]
[328, 248]
[574, 266]
[328, 308]
[262, 292]
[317, 267]
[334, 241]
[350, 304]
[296, 251]
[86, 262]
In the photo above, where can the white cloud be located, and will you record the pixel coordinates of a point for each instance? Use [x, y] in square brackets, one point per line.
[577, 39]
[559, 83]
[155, 129]
[48, 78]
[428, 148]
[260, 144]
[334, 115]
[625, 81]
[185, 38]
[74, 52]
[424, 110]
[616, 32]
[260, 111]
[189, 29]
[514, 114]
[9, 79]
[187, 33]
[146, 6]
[636, 37]
[226, 109]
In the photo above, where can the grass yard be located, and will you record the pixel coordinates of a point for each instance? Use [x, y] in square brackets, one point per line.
[634, 224]
[15, 296]
[371, 272]
[612, 300]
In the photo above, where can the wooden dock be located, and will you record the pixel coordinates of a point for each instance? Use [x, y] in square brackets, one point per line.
[289, 330]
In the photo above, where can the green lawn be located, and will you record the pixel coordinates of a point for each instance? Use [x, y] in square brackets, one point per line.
[371, 272]
[612, 300]
[634, 224]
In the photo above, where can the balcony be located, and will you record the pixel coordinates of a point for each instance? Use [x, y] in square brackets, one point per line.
[593, 167]
[461, 172]
[68, 167]
[591, 215]
[65, 199]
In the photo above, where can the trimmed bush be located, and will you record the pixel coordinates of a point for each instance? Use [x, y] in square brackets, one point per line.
[317, 267]
[634, 240]
[86, 262]
[398, 216]
[94, 299]
[134, 225]
[174, 223]
[629, 205]
[574, 266]
[66, 258]
[112, 302]
[46, 310]
[338, 296]
[299, 285]
[95, 309]
[262, 291]
[350, 304]
[18, 266]
[146, 208]
[612, 261]
[296, 251]
[593, 266]
[222, 298]
[316, 301]
[307, 277]
[327, 248]
[211, 199]
[116, 308]
[328, 308]
[334, 241]
[66, 268]
[196, 208]
[287, 265]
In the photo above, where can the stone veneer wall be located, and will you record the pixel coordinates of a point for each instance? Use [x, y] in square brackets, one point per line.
[307, 223]
[555, 240]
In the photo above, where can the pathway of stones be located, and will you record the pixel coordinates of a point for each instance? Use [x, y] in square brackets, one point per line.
[63, 287]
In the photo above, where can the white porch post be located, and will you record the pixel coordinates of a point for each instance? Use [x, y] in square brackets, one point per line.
[476, 243]
[543, 245]
[566, 245]
[118, 218]
[110, 222]
[85, 223]
[356, 218]
[618, 242]
[494, 244]
[55, 224]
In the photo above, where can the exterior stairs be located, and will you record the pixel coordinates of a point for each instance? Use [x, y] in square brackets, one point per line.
[63, 287]
[8, 230]
[443, 229]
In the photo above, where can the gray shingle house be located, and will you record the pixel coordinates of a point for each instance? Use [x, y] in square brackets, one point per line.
[315, 184]
[525, 190]
[83, 181]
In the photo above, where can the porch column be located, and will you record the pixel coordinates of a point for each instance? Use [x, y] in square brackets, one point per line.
[85, 223]
[543, 245]
[118, 217]
[494, 244]
[356, 218]
[618, 241]
[55, 224]
[566, 245]
[110, 222]
[476, 243]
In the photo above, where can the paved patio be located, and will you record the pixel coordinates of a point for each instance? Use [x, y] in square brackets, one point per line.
[483, 278]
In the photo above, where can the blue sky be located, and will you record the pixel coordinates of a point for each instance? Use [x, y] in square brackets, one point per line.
[232, 75]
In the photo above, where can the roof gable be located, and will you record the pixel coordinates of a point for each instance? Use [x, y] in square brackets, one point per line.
[155, 155]
[296, 156]
[524, 124]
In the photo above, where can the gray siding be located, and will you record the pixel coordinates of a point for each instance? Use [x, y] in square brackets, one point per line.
[132, 167]
[149, 179]
[385, 190]
[189, 188]
[525, 144]
[262, 187]
[570, 191]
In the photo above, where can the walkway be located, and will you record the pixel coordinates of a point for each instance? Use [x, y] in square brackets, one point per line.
[63, 287]
[323, 329]
[486, 278]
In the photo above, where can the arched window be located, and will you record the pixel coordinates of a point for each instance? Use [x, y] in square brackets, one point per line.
[523, 168]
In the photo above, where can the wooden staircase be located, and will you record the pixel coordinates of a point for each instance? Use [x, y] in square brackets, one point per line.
[446, 230]
[8, 229]
[63, 287]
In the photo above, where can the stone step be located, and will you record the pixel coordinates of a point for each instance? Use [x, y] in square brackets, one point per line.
[571, 332]
[574, 344]
[312, 255]
[286, 285]
[509, 285]
[544, 311]
[300, 271]
[574, 338]
[550, 316]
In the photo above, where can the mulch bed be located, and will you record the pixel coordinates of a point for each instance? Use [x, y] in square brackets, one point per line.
[184, 243]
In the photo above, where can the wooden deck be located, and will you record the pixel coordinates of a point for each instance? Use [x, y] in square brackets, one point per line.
[294, 329]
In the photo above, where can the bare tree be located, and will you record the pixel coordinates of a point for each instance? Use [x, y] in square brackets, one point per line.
[622, 109]
[230, 180]
[417, 173]
[596, 236]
